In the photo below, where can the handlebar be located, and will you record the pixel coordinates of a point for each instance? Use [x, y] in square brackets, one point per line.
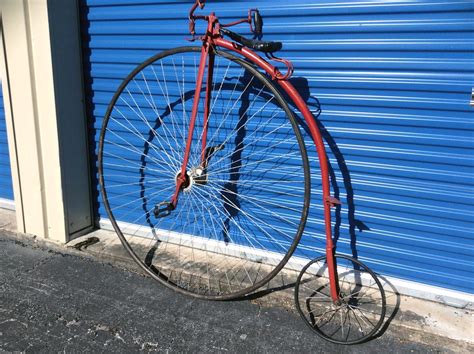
[254, 19]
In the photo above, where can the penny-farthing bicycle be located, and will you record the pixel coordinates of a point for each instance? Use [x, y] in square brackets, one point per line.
[205, 178]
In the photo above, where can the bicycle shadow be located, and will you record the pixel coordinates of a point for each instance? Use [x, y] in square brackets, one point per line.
[302, 86]
[229, 194]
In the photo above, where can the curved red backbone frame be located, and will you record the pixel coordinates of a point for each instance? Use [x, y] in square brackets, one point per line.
[328, 201]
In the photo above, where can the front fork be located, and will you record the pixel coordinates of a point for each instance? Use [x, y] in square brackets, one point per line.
[207, 57]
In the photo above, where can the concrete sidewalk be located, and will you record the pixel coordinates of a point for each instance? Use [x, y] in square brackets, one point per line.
[54, 298]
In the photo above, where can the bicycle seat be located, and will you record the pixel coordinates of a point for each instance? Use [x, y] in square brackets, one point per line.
[261, 46]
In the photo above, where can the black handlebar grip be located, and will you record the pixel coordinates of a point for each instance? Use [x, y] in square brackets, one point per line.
[257, 23]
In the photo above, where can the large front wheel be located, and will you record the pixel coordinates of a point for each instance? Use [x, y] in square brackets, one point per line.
[241, 214]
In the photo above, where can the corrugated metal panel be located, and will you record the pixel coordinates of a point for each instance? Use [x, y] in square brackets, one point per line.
[6, 187]
[394, 81]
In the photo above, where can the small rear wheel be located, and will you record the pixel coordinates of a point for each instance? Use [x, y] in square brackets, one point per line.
[358, 314]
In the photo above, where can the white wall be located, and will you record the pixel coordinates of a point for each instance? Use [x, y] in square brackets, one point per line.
[44, 107]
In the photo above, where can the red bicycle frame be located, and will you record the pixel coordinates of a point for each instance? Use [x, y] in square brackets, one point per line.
[213, 39]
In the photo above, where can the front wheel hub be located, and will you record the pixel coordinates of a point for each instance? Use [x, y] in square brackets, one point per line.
[188, 180]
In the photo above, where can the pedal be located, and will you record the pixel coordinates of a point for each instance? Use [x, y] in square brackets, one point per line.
[163, 209]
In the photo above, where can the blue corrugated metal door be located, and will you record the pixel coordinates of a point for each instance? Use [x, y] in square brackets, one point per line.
[394, 82]
[6, 187]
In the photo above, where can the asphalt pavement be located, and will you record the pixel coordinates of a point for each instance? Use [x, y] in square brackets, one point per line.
[55, 299]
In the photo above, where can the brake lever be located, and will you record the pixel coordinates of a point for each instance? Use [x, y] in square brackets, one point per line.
[192, 18]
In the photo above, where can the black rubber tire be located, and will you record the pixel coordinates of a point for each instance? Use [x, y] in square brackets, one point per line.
[265, 81]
